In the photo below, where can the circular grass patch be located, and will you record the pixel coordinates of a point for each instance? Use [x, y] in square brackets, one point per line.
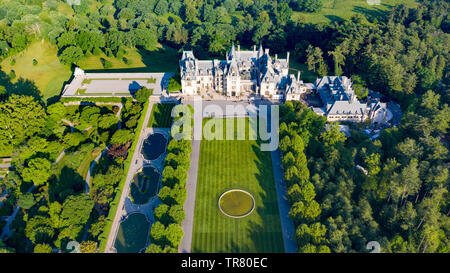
[236, 203]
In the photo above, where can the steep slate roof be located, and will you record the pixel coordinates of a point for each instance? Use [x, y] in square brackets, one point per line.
[347, 107]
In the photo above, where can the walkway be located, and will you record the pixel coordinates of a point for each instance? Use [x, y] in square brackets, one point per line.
[134, 167]
[287, 226]
[189, 204]
[6, 231]
[191, 187]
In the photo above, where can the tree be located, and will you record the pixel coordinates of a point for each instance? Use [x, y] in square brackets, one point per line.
[88, 247]
[174, 233]
[262, 26]
[309, 5]
[314, 57]
[107, 121]
[74, 139]
[76, 210]
[161, 215]
[339, 59]
[43, 248]
[71, 55]
[66, 39]
[121, 137]
[38, 171]
[20, 118]
[26, 201]
[301, 211]
[143, 94]
[174, 85]
[153, 248]
[157, 234]
[38, 229]
[177, 213]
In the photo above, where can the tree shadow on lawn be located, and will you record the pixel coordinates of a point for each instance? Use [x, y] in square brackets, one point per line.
[21, 87]
[162, 115]
[372, 14]
[157, 61]
[334, 18]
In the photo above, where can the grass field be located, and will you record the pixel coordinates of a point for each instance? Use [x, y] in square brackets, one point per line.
[133, 234]
[235, 164]
[48, 75]
[161, 116]
[338, 10]
[160, 59]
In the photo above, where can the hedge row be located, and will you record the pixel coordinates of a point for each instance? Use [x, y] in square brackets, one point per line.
[103, 238]
[94, 99]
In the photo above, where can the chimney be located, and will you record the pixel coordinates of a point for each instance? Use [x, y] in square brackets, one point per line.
[254, 48]
[287, 57]
[276, 57]
[298, 75]
[239, 48]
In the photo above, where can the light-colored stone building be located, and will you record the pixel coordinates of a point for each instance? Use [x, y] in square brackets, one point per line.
[339, 100]
[341, 104]
[243, 73]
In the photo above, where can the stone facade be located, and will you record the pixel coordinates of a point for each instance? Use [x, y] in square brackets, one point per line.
[243, 73]
[339, 100]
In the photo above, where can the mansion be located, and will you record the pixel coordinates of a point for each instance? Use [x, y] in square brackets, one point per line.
[255, 73]
[243, 73]
[341, 104]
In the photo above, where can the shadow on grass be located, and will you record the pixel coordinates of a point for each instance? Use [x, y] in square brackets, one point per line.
[164, 59]
[20, 87]
[372, 14]
[161, 115]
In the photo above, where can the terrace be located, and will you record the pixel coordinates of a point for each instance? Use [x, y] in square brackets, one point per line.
[114, 84]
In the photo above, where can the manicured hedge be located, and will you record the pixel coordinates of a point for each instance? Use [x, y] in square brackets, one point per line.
[94, 99]
[103, 238]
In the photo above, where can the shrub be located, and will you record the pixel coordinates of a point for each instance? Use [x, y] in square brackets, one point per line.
[174, 84]
[12, 75]
[143, 94]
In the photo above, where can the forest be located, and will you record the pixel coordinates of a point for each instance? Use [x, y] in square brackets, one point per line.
[402, 202]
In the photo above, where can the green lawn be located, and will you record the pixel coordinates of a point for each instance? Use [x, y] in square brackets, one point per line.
[338, 10]
[159, 59]
[305, 74]
[235, 164]
[161, 115]
[133, 234]
[48, 75]
[86, 163]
